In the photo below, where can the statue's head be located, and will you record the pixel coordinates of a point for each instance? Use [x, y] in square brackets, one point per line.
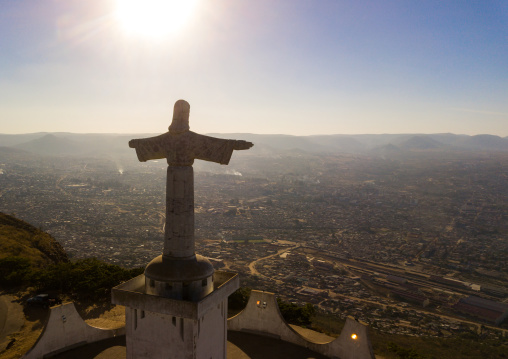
[180, 123]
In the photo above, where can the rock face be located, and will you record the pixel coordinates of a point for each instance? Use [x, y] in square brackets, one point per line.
[21, 239]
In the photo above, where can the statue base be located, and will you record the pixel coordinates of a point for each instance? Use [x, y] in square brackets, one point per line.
[159, 327]
[188, 278]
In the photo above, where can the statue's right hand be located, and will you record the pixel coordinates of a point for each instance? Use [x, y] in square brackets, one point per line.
[243, 145]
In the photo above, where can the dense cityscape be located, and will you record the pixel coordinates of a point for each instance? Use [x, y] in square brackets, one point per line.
[414, 244]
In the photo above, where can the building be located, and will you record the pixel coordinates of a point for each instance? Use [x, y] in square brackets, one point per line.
[487, 310]
[410, 296]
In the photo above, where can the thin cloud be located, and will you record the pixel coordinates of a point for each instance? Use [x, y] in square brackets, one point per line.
[478, 111]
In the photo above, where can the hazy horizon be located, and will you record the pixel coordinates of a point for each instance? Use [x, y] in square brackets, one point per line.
[252, 133]
[256, 133]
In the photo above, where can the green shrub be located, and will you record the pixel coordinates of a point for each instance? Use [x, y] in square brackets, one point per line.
[86, 278]
[294, 314]
[238, 300]
[14, 271]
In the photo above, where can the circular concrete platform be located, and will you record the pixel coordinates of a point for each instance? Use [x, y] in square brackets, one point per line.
[240, 346]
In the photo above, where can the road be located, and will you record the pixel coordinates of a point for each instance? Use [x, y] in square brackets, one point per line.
[252, 265]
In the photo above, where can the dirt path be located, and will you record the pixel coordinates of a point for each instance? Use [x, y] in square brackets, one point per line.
[11, 319]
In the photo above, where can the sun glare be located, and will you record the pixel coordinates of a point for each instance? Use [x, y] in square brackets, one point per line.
[153, 18]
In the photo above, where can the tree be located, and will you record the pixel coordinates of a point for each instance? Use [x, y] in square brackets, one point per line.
[294, 314]
[238, 300]
[14, 271]
[87, 278]
[403, 353]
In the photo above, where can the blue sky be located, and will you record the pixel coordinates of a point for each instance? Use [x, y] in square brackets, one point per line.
[297, 67]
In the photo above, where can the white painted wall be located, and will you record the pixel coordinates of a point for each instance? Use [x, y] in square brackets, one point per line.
[211, 333]
[157, 335]
[151, 335]
[262, 316]
[66, 329]
[159, 327]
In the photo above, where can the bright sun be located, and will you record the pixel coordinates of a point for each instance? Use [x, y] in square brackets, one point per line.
[153, 18]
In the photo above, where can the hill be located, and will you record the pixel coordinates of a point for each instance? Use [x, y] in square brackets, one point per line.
[30, 257]
[115, 145]
[486, 142]
[20, 239]
[51, 145]
[420, 143]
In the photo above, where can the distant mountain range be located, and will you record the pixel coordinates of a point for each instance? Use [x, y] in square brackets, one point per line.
[72, 144]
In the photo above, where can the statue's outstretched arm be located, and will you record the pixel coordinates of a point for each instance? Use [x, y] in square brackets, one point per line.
[151, 148]
[133, 143]
[242, 145]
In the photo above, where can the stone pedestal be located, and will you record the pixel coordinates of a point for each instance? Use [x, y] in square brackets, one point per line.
[159, 327]
[186, 279]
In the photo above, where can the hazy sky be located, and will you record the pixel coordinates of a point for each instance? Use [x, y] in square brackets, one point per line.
[261, 66]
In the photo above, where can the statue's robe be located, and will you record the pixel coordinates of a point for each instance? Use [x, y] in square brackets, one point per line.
[182, 149]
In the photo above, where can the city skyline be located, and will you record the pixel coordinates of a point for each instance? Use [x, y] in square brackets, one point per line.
[293, 67]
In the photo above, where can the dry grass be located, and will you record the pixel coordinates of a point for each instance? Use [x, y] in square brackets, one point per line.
[25, 339]
[104, 317]
[113, 318]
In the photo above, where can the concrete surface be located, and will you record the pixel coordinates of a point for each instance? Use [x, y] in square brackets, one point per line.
[250, 346]
[312, 335]
[132, 294]
[113, 348]
[239, 346]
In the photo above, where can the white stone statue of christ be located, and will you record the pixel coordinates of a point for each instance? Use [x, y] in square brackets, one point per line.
[181, 147]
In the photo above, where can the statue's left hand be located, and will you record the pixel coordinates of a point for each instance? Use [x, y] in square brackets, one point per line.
[243, 145]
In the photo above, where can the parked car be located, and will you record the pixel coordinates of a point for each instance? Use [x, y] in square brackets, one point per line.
[43, 300]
